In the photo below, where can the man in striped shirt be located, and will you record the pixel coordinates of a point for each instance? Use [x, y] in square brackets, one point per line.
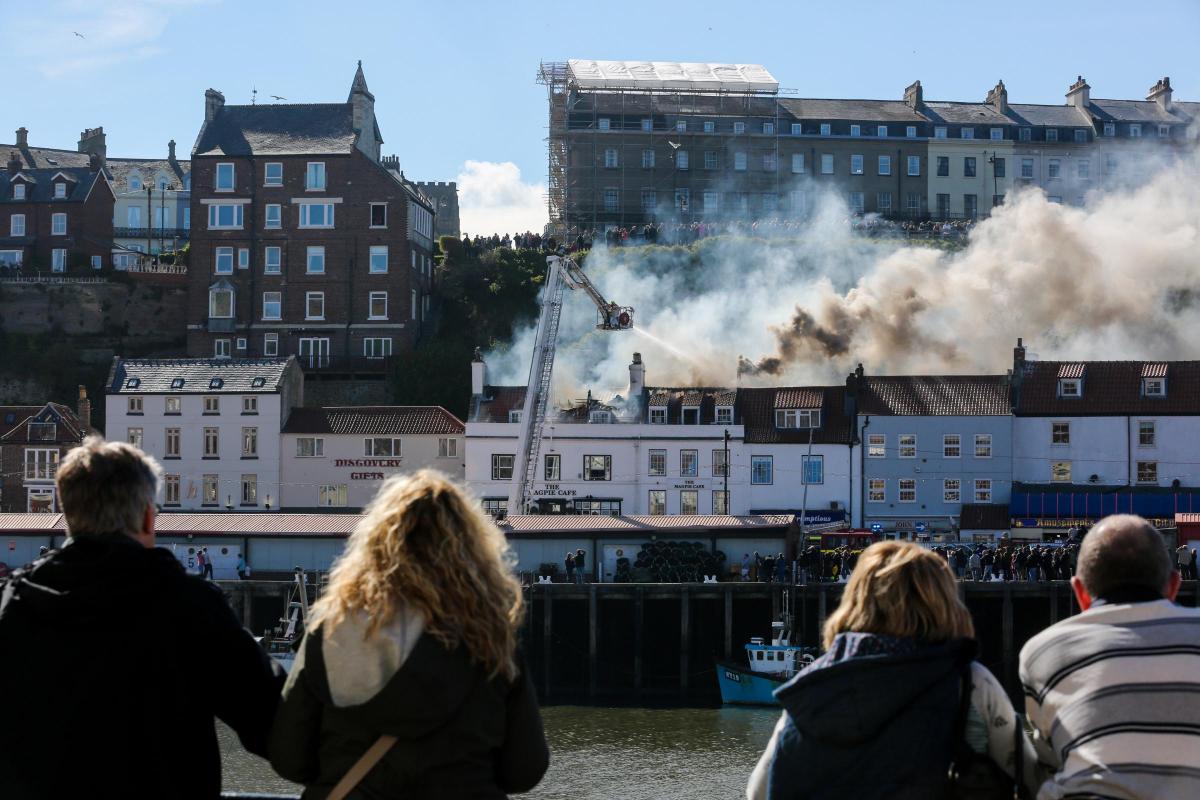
[1113, 693]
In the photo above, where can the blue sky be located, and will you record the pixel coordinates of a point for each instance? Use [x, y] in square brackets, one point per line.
[454, 81]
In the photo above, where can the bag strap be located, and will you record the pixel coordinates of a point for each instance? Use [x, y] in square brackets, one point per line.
[360, 768]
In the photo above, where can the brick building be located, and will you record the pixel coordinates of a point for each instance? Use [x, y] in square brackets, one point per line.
[303, 241]
[54, 216]
[33, 440]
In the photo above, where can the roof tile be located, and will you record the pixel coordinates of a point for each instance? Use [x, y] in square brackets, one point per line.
[1110, 388]
[936, 395]
[237, 376]
[379, 420]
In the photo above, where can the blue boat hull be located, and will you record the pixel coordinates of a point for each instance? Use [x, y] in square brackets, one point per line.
[741, 687]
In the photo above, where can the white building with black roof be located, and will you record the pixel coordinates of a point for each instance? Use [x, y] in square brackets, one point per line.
[213, 424]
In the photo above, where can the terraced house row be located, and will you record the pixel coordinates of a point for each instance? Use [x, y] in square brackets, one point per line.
[1044, 447]
[635, 142]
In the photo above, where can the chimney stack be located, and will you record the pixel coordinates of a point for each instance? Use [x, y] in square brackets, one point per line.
[478, 373]
[1017, 376]
[1161, 94]
[85, 410]
[91, 141]
[914, 97]
[1080, 94]
[22, 136]
[171, 151]
[214, 101]
[637, 378]
[997, 98]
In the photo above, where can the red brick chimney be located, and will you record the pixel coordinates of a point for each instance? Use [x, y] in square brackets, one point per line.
[85, 410]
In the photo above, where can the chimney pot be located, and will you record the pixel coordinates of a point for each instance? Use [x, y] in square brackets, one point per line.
[22, 136]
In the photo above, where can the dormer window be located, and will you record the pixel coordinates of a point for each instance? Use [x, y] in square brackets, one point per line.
[133, 383]
[658, 415]
[177, 383]
[216, 383]
[1070, 387]
[18, 191]
[691, 415]
[514, 415]
[258, 383]
[797, 418]
[60, 190]
[42, 431]
[135, 183]
[724, 415]
[600, 417]
[1154, 387]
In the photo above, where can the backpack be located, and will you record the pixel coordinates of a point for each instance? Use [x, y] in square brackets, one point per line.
[975, 776]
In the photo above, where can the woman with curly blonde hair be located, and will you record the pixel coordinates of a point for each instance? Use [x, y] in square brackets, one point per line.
[411, 654]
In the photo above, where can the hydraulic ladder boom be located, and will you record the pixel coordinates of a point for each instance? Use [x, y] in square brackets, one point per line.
[561, 273]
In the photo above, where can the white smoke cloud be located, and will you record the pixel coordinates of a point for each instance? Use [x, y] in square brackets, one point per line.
[1116, 278]
[492, 198]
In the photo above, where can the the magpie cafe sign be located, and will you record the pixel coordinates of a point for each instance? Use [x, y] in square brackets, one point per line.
[553, 490]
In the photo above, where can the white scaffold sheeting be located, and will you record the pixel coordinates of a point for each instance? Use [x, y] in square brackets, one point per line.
[671, 75]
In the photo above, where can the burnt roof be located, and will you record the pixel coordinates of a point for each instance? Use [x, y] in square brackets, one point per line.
[757, 408]
[374, 420]
[1109, 388]
[496, 402]
[935, 395]
[286, 129]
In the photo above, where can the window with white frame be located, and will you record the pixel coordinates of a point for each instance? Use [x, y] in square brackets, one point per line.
[797, 128]
[250, 404]
[951, 490]
[209, 495]
[171, 490]
[711, 160]
[720, 501]
[243, 258]
[382, 447]
[883, 202]
[272, 260]
[220, 303]
[225, 216]
[762, 470]
[274, 216]
[1147, 472]
[249, 442]
[447, 447]
[249, 490]
[876, 490]
[967, 133]
[884, 165]
[273, 174]
[377, 305]
[315, 261]
[689, 502]
[681, 159]
[610, 158]
[331, 495]
[812, 469]
[876, 445]
[272, 305]
[58, 224]
[768, 128]
[914, 165]
[939, 131]
[658, 502]
[658, 415]
[597, 468]
[797, 418]
[603, 124]
[414, 308]
[378, 215]
[16, 225]
[770, 162]
[314, 176]
[270, 344]
[724, 415]
[1069, 387]
[657, 465]
[1154, 387]
[41, 464]
[910, 131]
[719, 463]
[223, 260]
[739, 127]
[1080, 136]
[316, 215]
[826, 163]
[857, 202]
[983, 445]
[314, 305]
[60, 190]
[855, 130]
[1147, 433]
[798, 163]
[1060, 433]
[907, 445]
[1083, 169]
[612, 199]
[1053, 168]
[647, 159]
[739, 162]
[224, 177]
[310, 447]
[133, 436]
[983, 490]
[18, 191]
[826, 129]
[502, 466]
[212, 404]
[377, 346]
[172, 405]
[689, 463]
[58, 259]
[1110, 129]
[951, 445]
[212, 442]
[681, 126]
[907, 490]
[856, 164]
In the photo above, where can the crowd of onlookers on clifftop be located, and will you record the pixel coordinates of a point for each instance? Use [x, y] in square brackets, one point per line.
[409, 681]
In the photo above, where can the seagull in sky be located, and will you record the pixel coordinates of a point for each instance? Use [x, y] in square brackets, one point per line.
[277, 97]
[80, 35]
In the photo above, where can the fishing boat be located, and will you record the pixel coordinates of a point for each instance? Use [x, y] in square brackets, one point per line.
[769, 667]
[282, 644]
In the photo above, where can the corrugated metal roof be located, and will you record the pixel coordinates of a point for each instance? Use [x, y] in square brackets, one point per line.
[16, 523]
[550, 523]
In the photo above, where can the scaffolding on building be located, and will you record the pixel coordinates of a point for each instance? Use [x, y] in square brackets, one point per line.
[584, 110]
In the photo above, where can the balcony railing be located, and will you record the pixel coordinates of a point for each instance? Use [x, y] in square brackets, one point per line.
[151, 233]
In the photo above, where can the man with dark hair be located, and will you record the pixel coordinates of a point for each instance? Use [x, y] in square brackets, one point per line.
[1113, 693]
[115, 659]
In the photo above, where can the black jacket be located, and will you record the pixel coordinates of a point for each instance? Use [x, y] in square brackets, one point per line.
[114, 664]
[460, 734]
[870, 726]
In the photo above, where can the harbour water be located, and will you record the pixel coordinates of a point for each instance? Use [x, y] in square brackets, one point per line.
[601, 753]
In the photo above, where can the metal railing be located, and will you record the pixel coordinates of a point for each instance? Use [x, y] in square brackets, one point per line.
[151, 233]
